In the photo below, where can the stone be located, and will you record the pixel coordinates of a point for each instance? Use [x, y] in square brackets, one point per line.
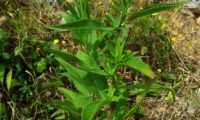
[193, 5]
[198, 21]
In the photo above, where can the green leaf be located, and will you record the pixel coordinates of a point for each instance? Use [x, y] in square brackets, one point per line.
[92, 39]
[107, 58]
[5, 55]
[82, 25]
[41, 65]
[91, 109]
[154, 9]
[2, 71]
[111, 49]
[72, 10]
[111, 19]
[67, 18]
[170, 97]
[96, 83]
[63, 55]
[119, 47]
[78, 100]
[88, 63]
[128, 56]
[139, 65]
[87, 59]
[76, 75]
[66, 106]
[170, 77]
[85, 82]
[56, 113]
[9, 79]
[136, 106]
[62, 117]
[18, 50]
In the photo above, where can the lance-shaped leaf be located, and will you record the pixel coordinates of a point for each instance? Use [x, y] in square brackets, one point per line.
[9, 79]
[63, 55]
[154, 9]
[72, 10]
[85, 24]
[91, 109]
[76, 75]
[88, 63]
[77, 99]
[139, 65]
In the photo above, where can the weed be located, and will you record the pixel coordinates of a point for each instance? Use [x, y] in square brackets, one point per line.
[98, 87]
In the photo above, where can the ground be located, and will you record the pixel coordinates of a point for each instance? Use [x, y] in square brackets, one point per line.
[185, 28]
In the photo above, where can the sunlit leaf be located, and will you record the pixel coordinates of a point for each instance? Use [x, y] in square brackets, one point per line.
[56, 113]
[154, 9]
[9, 79]
[18, 50]
[72, 10]
[170, 97]
[82, 24]
[139, 65]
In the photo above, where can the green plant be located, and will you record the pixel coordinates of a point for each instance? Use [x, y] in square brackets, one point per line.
[150, 40]
[24, 66]
[100, 91]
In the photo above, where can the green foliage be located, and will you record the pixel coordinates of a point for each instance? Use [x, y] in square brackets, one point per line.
[9, 79]
[85, 24]
[43, 79]
[2, 110]
[154, 9]
[137, 64]
[94, 74]
[2, 72]
[41, 65]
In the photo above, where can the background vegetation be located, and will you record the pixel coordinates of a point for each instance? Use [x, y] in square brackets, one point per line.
[92, 61]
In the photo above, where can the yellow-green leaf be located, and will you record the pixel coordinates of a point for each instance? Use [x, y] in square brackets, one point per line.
[154, 9]
[139, 65]
[9, 79]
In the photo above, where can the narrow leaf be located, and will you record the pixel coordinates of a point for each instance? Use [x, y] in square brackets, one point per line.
[154, 9]
[9, 79]
[72, 10]
[77, 99]
[67, 17]
[88, 63]
[91, 109]
[82, 24]
[139, 65]
[63, 55]
[76, 75]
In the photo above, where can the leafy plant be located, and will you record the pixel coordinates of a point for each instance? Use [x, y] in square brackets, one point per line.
[93, 69]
